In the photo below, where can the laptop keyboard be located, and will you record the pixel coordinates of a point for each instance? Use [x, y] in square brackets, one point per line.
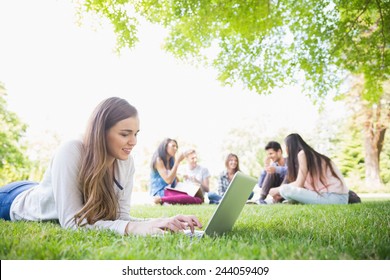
[197, 233]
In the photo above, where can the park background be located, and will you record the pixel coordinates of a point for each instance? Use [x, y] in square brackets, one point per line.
[56, 66]
[53, 72]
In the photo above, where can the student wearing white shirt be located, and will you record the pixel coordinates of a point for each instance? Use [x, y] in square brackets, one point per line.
[89, 183]
[193, 172]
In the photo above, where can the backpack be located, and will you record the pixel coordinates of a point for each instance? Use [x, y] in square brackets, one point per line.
[353, 197]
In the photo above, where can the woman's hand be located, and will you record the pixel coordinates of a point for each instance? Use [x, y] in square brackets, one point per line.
[161, 225]
[180, 157]
[270, 169]
[189, 221]
[274, 192]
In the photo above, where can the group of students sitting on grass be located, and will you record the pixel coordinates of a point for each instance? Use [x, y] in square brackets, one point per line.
[305, 176]
[89, 181]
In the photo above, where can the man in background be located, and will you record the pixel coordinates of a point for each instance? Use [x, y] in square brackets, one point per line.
[198, 174]
[275, 169]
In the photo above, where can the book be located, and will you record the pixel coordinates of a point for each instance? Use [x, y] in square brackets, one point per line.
[189, 188]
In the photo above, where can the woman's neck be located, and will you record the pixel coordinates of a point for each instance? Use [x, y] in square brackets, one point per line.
[231, 171]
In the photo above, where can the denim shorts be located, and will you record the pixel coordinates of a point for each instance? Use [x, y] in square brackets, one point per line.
[8, 194]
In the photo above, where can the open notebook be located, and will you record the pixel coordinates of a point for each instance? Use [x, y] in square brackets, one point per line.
[188, 188]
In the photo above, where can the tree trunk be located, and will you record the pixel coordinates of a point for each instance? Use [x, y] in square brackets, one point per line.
[374, 118]
[371, 159]
[374, 134]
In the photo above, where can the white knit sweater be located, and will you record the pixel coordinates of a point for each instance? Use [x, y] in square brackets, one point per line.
[59, 196]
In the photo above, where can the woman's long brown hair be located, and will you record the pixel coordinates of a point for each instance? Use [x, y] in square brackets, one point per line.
[96, 180]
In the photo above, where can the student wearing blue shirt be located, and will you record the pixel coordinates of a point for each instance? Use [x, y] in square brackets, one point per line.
[275, 169]
[164, 174]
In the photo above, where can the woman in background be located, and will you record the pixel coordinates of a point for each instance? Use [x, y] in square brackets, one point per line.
[312, 177]
[232, 165]
[164, 174]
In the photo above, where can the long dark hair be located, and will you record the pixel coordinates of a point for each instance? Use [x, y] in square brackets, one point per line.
[161, 153]
[295, 144]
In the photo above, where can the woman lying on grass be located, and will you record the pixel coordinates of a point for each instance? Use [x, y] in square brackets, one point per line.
[313, 178]
[89, 183]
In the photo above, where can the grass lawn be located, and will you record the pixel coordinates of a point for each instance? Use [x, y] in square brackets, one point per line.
[268, 232]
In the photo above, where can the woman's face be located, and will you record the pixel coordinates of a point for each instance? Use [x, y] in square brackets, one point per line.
[232, 163]
[172, 148]
[121, 138]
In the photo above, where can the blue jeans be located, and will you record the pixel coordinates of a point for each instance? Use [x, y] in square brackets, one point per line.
[306, 196]
[215, 198]
[8, 194]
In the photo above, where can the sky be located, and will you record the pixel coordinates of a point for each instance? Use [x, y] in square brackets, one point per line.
[56, 71]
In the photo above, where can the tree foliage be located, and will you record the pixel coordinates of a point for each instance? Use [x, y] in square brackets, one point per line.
[371, 120]
[348, 153]
[266, 44]
[13, 161]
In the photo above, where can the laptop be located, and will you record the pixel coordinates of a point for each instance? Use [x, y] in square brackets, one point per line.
[229, 208]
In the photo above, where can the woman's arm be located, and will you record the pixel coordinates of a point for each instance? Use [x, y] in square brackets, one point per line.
[162, 225]
[302, 171]
[68, 192]
[168, 175]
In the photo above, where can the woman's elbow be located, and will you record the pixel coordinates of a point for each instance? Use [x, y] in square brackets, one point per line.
[69, 224]
[169, 181]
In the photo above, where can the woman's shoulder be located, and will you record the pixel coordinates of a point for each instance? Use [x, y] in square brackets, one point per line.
[127, 162]
[301, 154]
[302, 158]
[159, 163]
[126, 166]
[68, 152]
[74, 145]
